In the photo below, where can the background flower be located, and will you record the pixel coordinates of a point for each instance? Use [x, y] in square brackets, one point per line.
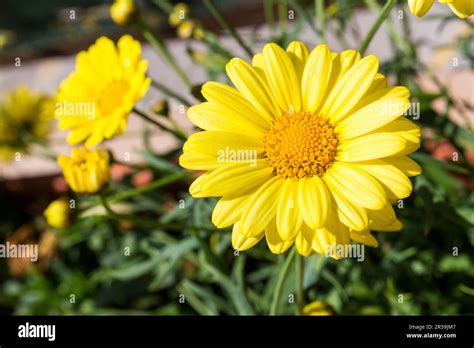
[95, 100]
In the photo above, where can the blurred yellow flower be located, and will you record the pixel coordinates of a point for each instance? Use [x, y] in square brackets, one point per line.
[318, 308]
[186, 29]
[57, 213]
[462, 8]
[95, 100]
[86, 171]
[25, 117]
[179, 14]
[310, 149]
[122, 11]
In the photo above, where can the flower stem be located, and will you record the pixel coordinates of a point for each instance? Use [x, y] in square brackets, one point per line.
[170, 93]
[148, 222]
[301, 11]
[160, 46]
[223, 23]
[176, 132]
[120, 196]
[299, 263]
[280, 282]
[321, 18]
[377, 24]
[269, 16]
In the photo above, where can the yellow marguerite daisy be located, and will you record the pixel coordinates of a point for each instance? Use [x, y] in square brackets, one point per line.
[179, 14]
[310, 148]
[25, 117]
[122, 11]
[462, 8]
[57, 213]
[86, 171]
[95, 100]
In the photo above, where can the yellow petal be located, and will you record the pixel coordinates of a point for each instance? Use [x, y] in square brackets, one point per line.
[253, 87]
[371, 117]
[242, 242]
[198, 161]
[217, 117]
[350, 89]
[314, 201]
[275, 243]
[261, 207]
[315, 78]
[364, 238]
[298, 53]
[462, 8]
[370, 146]
[228, 211]
[235, 180]
[408, 166]
[282, 78]
[341, 63]
[395, 183]
[232, 102]
[288, 216]
[304, 241]
[224, 144]
[420, 7]
[351, 215]
[359, 187]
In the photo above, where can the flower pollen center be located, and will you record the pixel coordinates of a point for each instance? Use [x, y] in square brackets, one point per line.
[300, 145]
[112, 97]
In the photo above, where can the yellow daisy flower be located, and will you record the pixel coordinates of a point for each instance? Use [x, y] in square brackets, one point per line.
[462, 8]
[310, 148]
[318, 308]
[25, 117]
[179, 14]
[95, 100]
[86, 171]
[122, 11]
[57, 213]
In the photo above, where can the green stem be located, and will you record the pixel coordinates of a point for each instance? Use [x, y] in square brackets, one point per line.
[176, 132]
[280, 282]
[376, 26]
[164, 5]
[120, 196]
[299, 282]
[321, 18]
[401, 43]
[283, 15]
[148, 222]
[223, 23]
[160, 46]
[170, 93]
[304, 15]
[269, 16]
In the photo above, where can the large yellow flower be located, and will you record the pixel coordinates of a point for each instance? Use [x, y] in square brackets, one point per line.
[86, 171]
[462, 8]
[95, 100]
[310, 148]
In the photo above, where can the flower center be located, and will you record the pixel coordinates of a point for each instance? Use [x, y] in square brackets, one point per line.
[300, 145]
[112, 97]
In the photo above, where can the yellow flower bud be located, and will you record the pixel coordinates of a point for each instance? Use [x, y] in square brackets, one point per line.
[57, 213]
[318, 308]
[122, 11]
[86, 171]
[179, 14]
[186, 29]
